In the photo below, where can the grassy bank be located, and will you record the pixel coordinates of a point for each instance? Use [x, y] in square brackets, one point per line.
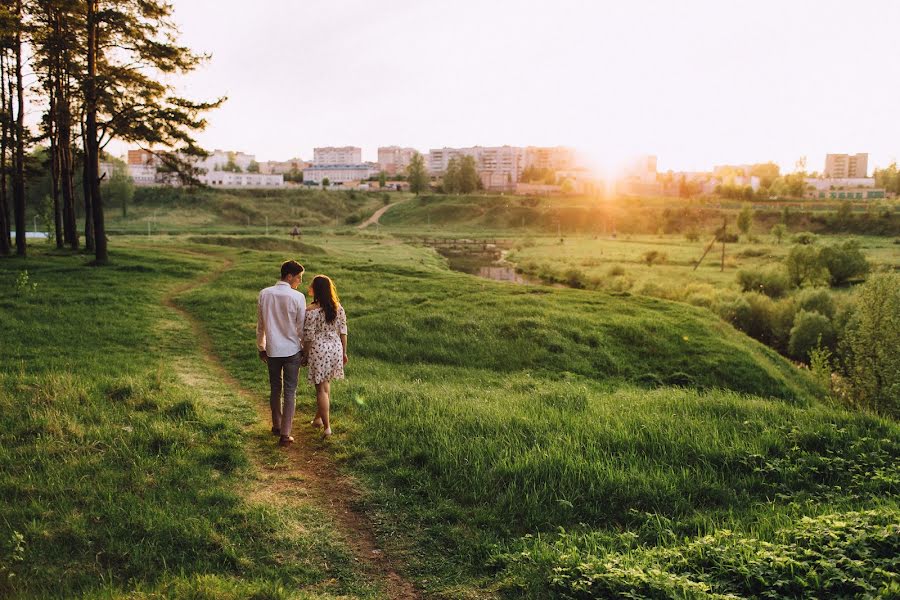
[540, 442]
[175, 210]
[124, 466]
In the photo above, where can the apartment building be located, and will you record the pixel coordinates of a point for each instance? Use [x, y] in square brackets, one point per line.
[282, 167]
[338, 174]
[218, 160]
[394, 159]
[141, 157]
[227, 179]
[499, 167]
[558, 158]
[334, 155]
[846, 166]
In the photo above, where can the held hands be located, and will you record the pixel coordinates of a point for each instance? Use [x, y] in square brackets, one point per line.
[263, 356]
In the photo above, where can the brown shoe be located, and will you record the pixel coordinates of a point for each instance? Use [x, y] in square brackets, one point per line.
[285, 440]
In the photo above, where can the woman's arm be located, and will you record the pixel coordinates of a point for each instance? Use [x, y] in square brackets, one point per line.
[342, 330]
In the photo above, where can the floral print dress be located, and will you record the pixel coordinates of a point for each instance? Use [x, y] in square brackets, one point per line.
[322, 341]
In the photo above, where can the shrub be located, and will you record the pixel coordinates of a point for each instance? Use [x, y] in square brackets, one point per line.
[805, 267]
[869, 348]
[652, 257]
[805, 238]
[778, 231]
[844, 261]
[753, 314]
[819, 300]
[811, 330]
[574, 278]
[616, 271]
[692, 235]
[753, 252]
[772, 282]
[620, 284]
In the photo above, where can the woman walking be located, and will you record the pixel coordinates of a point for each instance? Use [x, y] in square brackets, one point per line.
[325, 345]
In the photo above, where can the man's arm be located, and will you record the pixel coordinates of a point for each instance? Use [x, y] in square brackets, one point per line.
[260, 329]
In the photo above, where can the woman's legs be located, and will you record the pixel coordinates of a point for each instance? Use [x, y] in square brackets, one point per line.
[323, 401]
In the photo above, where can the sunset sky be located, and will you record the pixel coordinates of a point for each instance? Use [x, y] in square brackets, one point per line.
[695, 82]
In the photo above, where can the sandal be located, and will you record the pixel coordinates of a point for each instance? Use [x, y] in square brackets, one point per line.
[285, 440]
[316, 423]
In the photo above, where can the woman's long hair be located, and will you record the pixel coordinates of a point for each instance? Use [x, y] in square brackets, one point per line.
[325, 295]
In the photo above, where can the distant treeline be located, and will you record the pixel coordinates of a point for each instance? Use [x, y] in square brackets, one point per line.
[635, 216]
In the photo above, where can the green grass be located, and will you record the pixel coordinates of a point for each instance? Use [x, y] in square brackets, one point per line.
[508, 215]
[595, 257]
[513, 441]
[168, 210]
[123, 462]
[480, 415]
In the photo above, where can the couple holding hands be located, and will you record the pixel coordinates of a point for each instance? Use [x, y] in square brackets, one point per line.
[290, 335]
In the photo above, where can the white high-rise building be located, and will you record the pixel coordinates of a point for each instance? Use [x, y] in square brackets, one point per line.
[499, 167]
[558, 158]
[334, 155]
[219, 160]
[394, 159]
[846, 166]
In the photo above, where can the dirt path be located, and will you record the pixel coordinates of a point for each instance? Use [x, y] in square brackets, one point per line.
[377, 215]
[307, 461]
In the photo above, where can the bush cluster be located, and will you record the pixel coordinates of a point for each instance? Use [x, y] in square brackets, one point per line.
[841, 555]
[810, 265]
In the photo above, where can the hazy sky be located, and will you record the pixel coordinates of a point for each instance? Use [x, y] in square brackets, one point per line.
[695, 82]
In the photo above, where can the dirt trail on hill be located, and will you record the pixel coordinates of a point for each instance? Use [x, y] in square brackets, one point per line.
[376, 216]
[309, 466]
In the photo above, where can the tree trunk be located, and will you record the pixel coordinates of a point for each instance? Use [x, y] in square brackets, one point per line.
[54, 163]
[5, 245]
[19, 175]
[64, 136]
[88, 209]
[92, 146]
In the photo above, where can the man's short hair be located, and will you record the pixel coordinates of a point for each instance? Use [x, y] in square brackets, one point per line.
[291, 267]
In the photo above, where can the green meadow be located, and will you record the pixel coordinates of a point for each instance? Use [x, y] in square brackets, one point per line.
[507, 441]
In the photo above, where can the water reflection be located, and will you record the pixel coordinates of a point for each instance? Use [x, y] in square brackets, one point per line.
[500, 273]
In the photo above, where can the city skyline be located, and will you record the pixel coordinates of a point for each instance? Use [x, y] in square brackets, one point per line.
[696, 84]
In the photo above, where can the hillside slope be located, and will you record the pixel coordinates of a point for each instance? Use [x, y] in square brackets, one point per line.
[506, 434]
[175, 210]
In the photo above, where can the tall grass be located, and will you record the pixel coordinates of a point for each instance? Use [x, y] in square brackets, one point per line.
[481, 415]
[119, 476]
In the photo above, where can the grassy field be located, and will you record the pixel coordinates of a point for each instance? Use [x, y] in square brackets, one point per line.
[510, 440]
[514, 216]
[167, 210]
[603, 259]
[124, 468]
[509, 435]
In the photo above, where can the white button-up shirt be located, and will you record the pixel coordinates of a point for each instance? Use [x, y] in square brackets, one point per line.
[281, 311]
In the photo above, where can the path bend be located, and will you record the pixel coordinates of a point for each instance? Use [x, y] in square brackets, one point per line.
[308, 461]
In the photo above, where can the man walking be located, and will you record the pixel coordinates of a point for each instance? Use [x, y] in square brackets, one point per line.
[281, 310]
